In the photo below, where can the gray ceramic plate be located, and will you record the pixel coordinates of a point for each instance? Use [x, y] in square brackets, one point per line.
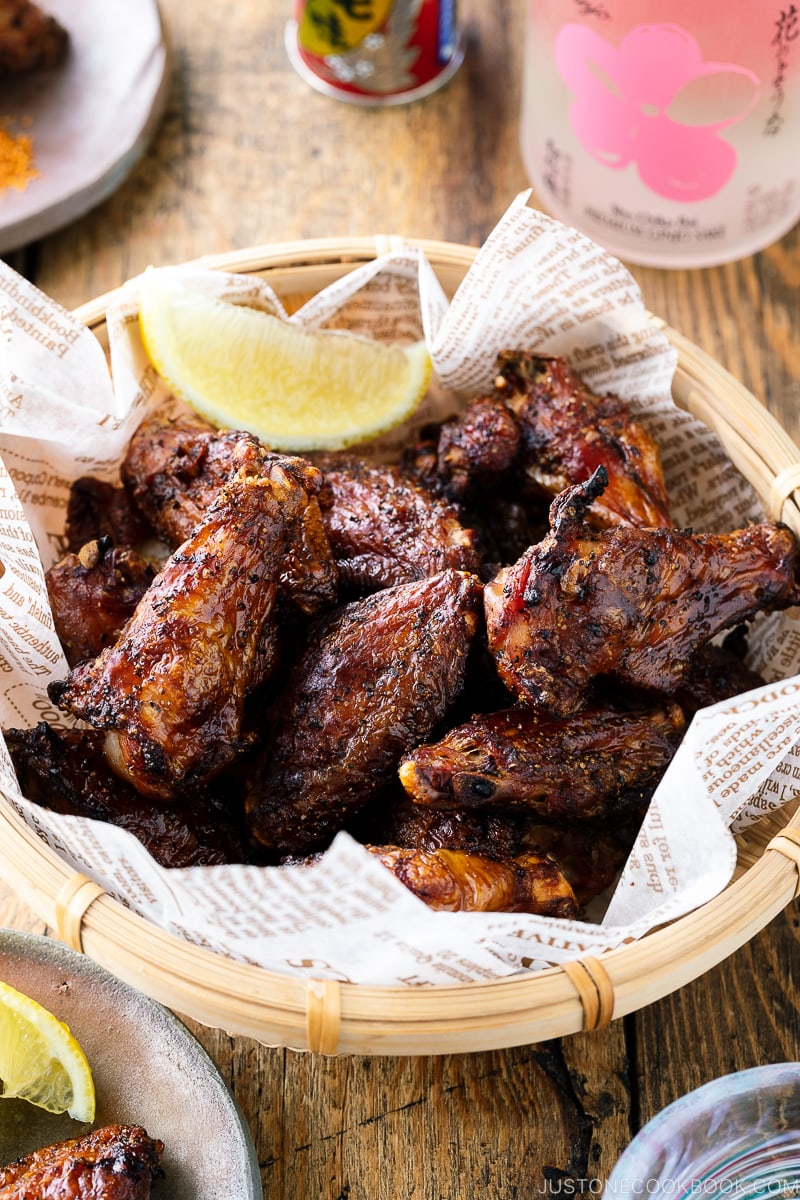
[148, 1070]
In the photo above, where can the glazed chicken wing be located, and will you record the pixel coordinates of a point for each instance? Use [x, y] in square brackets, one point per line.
[67, 772]
[395, 820]
[590, 855]
[568, 432]
[98, 510]
[454, 881]
[93, 593]
[374, 679]
[632, 604]
[118, 1162]
[174, 471]
[542, 430]
[587, 765]
[171, 690]
[385, 530]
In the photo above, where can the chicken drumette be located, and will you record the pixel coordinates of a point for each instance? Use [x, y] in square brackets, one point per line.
[631, 604]
[375, 677]
[171, 690]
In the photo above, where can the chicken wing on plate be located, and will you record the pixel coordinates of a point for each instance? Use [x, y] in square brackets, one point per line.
[631, 604]
[118, 1162]
[175, 469]
[593, 763]
[375, 677]
[454, 881]
[171, 690]
[385, 530]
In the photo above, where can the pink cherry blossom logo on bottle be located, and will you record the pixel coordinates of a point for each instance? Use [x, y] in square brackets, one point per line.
[627, 98]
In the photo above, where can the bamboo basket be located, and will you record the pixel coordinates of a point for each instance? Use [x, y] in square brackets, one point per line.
[338, 1018]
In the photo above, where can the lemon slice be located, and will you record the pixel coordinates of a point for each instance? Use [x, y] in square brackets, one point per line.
[295, 389]
[40, 1060]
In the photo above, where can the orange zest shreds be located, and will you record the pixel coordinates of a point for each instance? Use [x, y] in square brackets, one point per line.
[16, 160]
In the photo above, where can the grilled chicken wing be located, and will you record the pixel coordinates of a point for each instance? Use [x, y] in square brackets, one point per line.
[93, 593]
[453, 881]
[633, 604]
[385, 530]
[395, 820]
[525, 759]
[97, 510]
[118, 1162]
[171, 691]
[375, 677]
[67, 772]
[590, 857]
[174, 471]
[540, 431]
[568, 432]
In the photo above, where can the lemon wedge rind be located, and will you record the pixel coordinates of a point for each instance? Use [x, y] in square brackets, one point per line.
[40, 1060]
[296, 389]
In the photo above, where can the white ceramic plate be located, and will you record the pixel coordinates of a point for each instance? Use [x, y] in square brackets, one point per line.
[148, 1070]
[90, 119]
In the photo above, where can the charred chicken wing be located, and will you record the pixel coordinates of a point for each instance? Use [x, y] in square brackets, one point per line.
[375, 677]
[592, 763]
[67, 772]
[174, 471]
[118, 1162]
[454, 881]
[171, 690]
[93, 593]
[385, 530]
[542, 430]
[632, 604]
[99, 510]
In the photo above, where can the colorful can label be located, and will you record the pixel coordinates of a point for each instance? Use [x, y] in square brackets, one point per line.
[375, 51]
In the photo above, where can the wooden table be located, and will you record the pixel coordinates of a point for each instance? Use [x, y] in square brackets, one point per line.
[248, 153]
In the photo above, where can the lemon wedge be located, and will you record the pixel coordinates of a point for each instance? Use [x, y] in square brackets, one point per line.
[295, 389]
[40, 1060]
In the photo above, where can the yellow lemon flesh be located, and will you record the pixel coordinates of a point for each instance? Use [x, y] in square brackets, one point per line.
[295, 389]
[40, 1060]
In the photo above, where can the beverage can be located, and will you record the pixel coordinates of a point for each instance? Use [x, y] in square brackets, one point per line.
[375, 52]
[667, 130]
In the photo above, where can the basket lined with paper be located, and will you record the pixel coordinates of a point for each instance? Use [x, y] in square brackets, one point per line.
[344, 917]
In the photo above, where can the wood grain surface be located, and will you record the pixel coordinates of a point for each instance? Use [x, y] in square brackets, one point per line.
[248, 153]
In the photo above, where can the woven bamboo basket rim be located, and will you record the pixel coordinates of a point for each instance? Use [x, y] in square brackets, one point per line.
[330, 1017]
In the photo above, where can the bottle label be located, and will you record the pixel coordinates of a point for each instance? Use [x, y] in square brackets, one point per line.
[376, 50]
[641, 103]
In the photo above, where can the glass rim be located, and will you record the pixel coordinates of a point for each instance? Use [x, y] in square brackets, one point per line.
[682, 1112]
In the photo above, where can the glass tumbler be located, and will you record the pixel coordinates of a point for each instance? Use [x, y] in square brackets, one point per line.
[737, 1137]
[667, 130]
